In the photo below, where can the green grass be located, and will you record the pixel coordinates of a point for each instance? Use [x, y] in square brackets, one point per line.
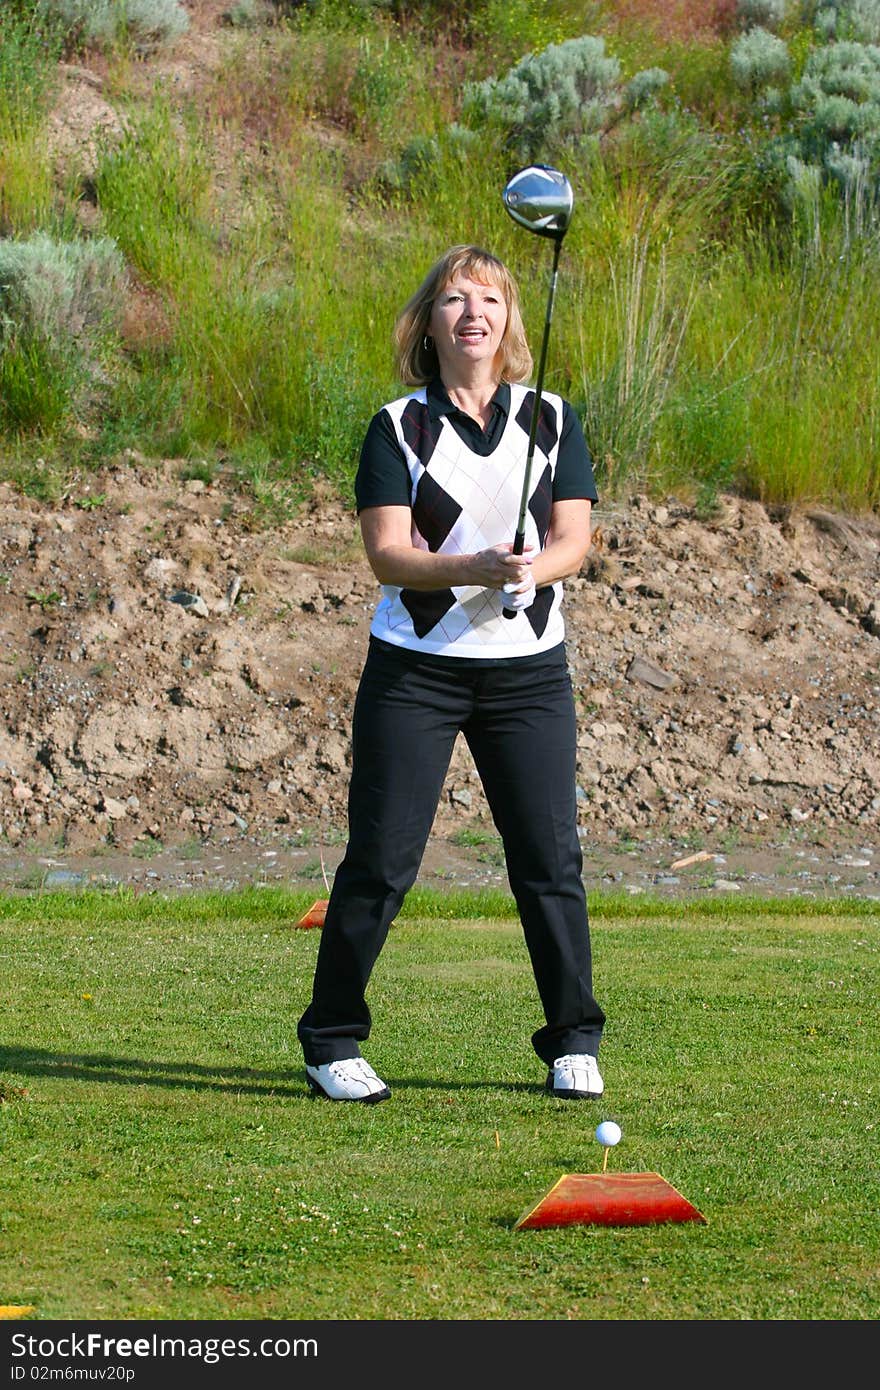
[162, 1158]
[27, 75]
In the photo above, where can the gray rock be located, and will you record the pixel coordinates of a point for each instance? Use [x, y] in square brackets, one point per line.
[64, 878]
[647, 673]
[193, 603]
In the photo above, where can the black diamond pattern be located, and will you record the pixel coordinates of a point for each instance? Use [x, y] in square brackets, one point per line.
[434, 512]
[547, 434]
[419, 431]
[426, 607]
[541, 504]
[538, 610]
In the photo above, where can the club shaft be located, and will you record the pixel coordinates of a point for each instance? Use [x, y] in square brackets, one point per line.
[520, 537]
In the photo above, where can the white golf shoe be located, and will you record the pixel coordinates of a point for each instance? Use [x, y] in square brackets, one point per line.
[349, 1079]
[575, 1076]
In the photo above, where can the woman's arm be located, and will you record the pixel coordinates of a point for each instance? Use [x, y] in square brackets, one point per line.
[393, 558]
[568, 541]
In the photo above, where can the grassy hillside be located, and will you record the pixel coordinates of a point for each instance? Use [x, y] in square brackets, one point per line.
[217, 279]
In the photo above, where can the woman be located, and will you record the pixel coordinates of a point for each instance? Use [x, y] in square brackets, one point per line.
[467, 638]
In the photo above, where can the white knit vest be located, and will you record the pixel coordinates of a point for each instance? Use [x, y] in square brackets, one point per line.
[464, 502]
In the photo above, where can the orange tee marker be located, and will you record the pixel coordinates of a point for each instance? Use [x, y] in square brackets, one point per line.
[315, 915]
[609, 1199]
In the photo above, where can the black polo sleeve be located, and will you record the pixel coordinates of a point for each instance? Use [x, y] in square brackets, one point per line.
[574, 464]
[382, 478]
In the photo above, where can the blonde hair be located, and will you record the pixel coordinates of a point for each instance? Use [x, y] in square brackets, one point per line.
[414, 352]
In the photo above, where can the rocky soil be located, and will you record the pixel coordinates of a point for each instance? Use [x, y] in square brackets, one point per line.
[177, 686]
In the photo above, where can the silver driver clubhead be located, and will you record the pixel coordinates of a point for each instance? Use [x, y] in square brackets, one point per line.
[541, 200]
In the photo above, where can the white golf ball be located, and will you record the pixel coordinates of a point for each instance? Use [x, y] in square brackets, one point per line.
[608, 1133]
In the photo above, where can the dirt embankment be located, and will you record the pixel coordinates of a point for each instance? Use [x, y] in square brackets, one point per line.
[171, 674]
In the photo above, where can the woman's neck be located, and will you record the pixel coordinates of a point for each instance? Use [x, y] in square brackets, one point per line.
[474, 398]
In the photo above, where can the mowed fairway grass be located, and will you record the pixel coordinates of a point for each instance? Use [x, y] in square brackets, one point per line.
[162, 1157]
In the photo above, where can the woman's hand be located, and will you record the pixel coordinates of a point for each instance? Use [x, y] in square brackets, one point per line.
[517, 596]
[499, 568]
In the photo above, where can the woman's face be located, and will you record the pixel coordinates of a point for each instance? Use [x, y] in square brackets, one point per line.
[467, 323]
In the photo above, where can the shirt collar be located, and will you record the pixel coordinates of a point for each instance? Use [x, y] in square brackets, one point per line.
[439, 403]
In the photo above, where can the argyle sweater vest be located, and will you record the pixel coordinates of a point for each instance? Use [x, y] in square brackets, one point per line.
[463, 502]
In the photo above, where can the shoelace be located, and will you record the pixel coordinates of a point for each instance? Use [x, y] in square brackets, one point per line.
[567, 1065]
[350, 1065]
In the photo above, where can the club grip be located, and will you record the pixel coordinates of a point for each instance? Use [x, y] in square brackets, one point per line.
[519, 545]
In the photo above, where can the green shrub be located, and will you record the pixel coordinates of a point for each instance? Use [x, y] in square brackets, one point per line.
[850, 19]
[852, 173]
[570, 91]
[145, 24]
[422, 162]
[837, 103]
[827, 127]
[759, 59]
[641, 89]
[249, 14]
[768, 14]
[62, 291]
[58, 300]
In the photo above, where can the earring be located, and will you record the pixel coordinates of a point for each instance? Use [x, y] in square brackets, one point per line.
[427, 342]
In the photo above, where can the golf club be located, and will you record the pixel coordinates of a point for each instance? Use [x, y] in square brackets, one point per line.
[541, 200]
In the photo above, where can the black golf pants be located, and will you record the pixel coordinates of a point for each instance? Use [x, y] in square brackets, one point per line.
[519, 723]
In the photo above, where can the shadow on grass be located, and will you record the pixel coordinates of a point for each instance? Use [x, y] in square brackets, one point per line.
[136, 1071]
